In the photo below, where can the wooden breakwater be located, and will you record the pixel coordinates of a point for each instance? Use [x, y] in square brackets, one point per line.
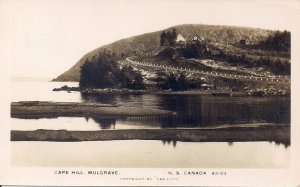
[39, 109]
[276, 133]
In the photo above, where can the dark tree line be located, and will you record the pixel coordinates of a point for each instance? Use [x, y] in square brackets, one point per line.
[102, 71]
[280, 41]
[129, 78]
[175, 82]
[168, 38]
[276, 66]
[196, 50]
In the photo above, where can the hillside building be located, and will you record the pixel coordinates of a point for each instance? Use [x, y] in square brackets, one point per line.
[197, 39]
[180, 41]
[244, 42]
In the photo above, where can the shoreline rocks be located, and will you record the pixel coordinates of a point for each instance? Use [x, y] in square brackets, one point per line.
[66, 88]
[267, 92]
[259, 92]
[112, 91]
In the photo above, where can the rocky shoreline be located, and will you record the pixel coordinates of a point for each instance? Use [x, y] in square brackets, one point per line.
[67, 88]
[112, 91]
[259, 92]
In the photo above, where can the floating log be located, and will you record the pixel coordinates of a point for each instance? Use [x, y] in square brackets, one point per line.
[276, 133]
[39, 109]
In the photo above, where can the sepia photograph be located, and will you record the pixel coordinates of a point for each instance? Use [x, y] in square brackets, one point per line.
[121, 89]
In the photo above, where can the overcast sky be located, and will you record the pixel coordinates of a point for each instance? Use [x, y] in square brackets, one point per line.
[44, 38]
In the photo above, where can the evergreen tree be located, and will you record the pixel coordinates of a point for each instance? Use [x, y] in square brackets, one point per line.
[182, 82]
[130, 78]
[172, 82]
[173, 37]
[86, 77]
[280, 41]
[102, 71]
[163, 38]
[168, 38]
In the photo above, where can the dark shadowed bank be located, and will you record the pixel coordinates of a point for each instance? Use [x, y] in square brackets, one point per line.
[277, 133]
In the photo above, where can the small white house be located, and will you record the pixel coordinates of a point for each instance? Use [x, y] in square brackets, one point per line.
[180, 40]
[197, 38]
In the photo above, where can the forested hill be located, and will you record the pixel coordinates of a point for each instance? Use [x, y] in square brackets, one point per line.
[149, 43]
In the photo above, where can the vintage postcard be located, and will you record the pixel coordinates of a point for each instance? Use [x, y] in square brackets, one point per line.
[149, 93]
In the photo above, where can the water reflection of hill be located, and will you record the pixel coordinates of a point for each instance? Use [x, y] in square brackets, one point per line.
[105, 123]
[207, 111]
[200, 111]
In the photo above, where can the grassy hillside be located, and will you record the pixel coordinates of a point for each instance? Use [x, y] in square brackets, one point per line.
[149, 44]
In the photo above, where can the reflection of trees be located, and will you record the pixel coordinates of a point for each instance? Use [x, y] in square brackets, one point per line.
[230, 143]
[104, 99]
[105, 123]
[286, 144]
[188, 112]
[168, 142]
[201, 111]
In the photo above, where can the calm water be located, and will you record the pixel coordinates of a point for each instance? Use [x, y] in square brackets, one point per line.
[41, 90]
[192, 111]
